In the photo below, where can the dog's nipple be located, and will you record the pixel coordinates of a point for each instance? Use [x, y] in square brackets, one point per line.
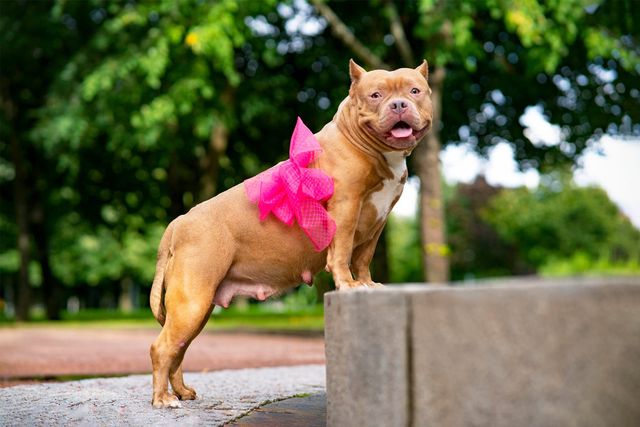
[307, 277]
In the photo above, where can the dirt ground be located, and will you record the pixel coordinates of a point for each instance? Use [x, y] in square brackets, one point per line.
[29, 354]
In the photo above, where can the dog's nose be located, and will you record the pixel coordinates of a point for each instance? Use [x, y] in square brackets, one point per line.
[398, 106]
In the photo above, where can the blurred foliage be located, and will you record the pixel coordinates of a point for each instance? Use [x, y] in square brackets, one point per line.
[580, 264]
[557, 229]
[477, 250]
[559, 221]
[115, 117]
[405, 260]
[254, 317]
[94, 256]
[127, 126]
[578, 60]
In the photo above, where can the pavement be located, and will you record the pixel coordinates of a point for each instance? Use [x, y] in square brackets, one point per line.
[36, 353]
[307, 411]
[224, 397]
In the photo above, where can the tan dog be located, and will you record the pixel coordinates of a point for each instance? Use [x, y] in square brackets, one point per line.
[221, 248]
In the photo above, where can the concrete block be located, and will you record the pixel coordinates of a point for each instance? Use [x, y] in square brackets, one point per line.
[367, 359]
[525, 352]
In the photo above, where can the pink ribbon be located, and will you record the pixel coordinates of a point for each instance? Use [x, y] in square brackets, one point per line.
[292, 191]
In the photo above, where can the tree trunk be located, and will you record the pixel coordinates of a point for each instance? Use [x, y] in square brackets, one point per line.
[210, 162]
[51, 290]
[380, 264]
[427, 158]
[218, 142]
[23, 296]
[176, 189]
[126, 299]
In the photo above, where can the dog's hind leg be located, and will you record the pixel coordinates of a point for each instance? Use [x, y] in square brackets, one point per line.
[180, 389]
[192, 280]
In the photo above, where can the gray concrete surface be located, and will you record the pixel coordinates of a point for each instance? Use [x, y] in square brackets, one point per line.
[303, 411]
[222, 397]
[523, 352]
[368, 348]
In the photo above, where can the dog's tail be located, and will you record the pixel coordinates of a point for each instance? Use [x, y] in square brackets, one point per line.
[156, 297]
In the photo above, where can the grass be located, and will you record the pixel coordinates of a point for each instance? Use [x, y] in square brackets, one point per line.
[254, 317]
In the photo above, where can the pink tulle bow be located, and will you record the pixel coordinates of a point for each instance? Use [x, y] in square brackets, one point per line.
[292, 191]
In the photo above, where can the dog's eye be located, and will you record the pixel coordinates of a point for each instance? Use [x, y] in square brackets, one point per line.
[415, 91]
[376, 95]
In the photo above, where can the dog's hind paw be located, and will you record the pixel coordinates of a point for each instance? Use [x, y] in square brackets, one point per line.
[187, 393]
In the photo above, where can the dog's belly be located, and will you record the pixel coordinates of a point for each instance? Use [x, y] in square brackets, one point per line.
[260, 281]
[229, 289]
[268, 257]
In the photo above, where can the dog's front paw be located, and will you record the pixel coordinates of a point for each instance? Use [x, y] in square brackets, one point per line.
[166, 400]
[342, 285]
[374, 285]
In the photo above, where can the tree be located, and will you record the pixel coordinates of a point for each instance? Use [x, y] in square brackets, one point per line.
[491, 60]
[405, 259]
[35, 41]
[559, 220]
[136, 125]
[556, 229]
[183, 100]
[118, 117]
[155, 87]
[477, 250]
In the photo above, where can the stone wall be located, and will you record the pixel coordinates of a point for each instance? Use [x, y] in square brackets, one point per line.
[527, 352]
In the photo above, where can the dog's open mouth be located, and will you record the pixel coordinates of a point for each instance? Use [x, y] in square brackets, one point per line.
[401, 130]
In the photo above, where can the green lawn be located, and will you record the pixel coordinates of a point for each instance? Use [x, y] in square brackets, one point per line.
[254, 317]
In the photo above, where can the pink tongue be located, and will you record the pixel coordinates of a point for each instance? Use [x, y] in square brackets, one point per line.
[401, 132]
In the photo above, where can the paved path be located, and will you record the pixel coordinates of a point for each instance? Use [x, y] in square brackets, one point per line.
[45, 352]
[224, 396]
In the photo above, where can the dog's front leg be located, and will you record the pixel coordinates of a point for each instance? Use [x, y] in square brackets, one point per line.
[361, 259]
[345, 211]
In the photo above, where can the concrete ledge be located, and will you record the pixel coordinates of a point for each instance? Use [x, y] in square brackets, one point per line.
[507, 353]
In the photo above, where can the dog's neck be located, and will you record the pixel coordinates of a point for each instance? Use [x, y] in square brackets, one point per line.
[358, 137]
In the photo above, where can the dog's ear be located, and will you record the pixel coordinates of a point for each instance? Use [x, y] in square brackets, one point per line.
[423, 69]
[355, 71]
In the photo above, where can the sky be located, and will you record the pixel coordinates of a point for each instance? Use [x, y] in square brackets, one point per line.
[612, 163]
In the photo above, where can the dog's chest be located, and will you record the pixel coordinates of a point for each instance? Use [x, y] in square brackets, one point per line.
[382, 200]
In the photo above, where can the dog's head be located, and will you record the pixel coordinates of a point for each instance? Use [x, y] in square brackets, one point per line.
[393, 107]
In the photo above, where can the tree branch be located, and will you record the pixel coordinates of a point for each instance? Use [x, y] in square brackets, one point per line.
[397, 30]
[344, 34]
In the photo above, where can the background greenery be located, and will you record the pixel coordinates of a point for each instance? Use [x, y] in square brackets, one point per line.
[118, 116]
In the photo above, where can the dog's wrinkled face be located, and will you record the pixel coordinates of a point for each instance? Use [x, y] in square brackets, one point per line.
[394, 107]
